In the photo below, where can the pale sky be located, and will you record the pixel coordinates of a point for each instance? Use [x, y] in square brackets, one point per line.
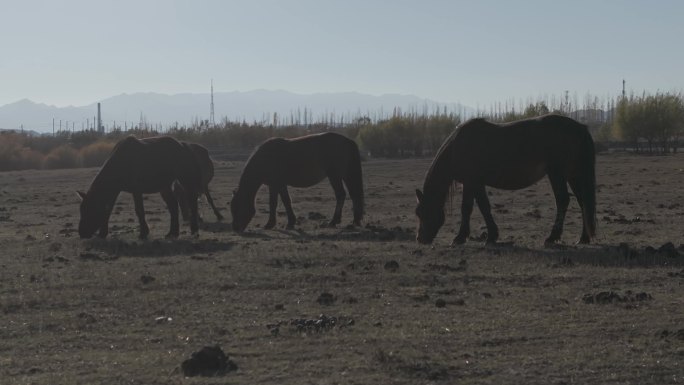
[76, 52]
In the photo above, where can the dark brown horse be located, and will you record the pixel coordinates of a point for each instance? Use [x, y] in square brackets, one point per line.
[510, 156]
[299, 162]
[140, 167]
[207, 171]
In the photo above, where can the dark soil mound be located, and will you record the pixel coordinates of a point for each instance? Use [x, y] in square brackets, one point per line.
[210, 361]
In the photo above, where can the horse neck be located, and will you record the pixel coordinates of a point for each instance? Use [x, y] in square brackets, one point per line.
[249, 184]
[440, 177]
[104, 184]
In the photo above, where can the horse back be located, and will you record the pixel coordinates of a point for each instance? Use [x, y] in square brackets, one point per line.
[149, 165]
[302, 161]
[542, 138]
[327, 150]
[514, 155]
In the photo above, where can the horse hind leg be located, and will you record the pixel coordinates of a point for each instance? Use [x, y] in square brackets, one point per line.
[353, 181]
[340, 196]
[560, 192]
[140, 213]
[192, 190]
[356, 194]
[172, 206]
[287, 202]
[577, 190]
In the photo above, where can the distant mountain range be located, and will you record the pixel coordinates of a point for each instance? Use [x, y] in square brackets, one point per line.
[251, 106]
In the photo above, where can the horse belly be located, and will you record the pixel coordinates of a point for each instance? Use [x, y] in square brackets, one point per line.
[306, 178]
[517, 177]
[149, 182]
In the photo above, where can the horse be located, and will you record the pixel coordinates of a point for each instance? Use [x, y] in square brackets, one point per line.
[510, 156]
[299, 162]
[141, 166]
[207, 172]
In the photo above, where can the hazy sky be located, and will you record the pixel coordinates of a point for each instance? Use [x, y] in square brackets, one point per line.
[75, 52]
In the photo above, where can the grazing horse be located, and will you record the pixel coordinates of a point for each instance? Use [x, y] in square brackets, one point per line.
[207, 169]
[510, 156]
[141, 166]
[299, 162]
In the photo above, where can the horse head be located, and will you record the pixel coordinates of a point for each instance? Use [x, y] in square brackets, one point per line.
[243, 211]
[430, 218]
[93, 215]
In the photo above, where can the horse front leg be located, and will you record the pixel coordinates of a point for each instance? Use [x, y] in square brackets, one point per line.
[104, 227]
[340, 196]
[140, 213]
[109, 206]
[287, 202]
[193, 197]
[486, 210]
[272, 207]
[466, 211]
[172, 206]
[560, 192]
[104, 230]
[182, 198]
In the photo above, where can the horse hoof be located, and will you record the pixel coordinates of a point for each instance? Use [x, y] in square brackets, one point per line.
[171, 236]
[458, 241]
[269, 226]
[549, 242]
[290, 226]
[460, 238]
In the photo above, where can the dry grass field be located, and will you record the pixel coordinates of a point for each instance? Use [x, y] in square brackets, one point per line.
[347, 305]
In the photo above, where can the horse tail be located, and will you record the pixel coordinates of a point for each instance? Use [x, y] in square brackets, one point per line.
[206, 166]
[354, 181]
[588, 176]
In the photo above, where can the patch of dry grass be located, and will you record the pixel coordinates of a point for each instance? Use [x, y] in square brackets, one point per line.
[123, 310]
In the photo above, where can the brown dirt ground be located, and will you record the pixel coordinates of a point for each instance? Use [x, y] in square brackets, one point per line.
[125, 311]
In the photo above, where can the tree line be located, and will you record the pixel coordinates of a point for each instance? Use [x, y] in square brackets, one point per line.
[654, 120]
[645, 123]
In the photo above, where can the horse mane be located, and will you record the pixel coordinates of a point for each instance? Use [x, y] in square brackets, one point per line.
[253, 158]
[442, 152]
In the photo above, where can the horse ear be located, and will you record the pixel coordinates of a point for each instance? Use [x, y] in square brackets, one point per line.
[419, 196]
[81, 194]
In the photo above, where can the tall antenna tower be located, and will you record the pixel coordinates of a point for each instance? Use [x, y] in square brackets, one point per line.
[212, 122]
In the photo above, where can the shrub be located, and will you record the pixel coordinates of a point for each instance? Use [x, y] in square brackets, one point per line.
[14, 155]
[30, 159]
[95, 154]
[10, 147]
[63, 156]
